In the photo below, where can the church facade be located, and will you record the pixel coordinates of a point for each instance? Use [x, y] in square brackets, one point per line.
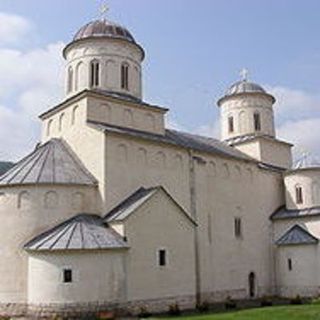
[113, 210]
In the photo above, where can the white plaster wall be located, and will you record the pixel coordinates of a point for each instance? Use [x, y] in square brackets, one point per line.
[269, 151]
[242, 109]
[221, 196]
[309, 180]
[110, 53]
[303, 279]
[134, 116]
[160, 224]
[98, 276]
[226, 261]
[25, 212]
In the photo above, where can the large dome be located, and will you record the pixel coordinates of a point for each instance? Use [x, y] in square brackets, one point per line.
[103, 29]
[244, 86]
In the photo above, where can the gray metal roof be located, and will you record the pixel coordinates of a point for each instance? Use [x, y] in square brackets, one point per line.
[297, 235]
[130, 204]
[244, 86]
[307, 161]
[103, 28]
[283, 213]
[82, 232]
[5, 166]
[135, 200]
[182, 139]
[50, 163]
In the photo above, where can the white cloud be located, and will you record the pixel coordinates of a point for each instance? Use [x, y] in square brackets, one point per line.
[12, 28]
[212, 131]
[31, 81]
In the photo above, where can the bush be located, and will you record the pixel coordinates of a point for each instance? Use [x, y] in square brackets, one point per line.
[230, 304]
[174, 309]
[266, 302]
[203, 306]
[296, 300]
[144, 312]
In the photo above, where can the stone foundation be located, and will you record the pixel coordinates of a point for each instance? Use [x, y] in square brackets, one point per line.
[92, 309]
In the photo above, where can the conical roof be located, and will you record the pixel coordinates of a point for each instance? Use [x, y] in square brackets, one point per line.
[82, 232]
[50, 163]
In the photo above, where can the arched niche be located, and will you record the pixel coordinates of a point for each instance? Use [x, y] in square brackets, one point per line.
[51, 200]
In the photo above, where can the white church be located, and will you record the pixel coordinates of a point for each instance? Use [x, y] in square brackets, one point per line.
[112, 210]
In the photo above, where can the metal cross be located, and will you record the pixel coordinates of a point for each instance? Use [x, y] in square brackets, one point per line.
[244, 74]
[103, 10]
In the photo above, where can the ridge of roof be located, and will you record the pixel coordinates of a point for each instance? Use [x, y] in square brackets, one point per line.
[125, 208]
[178, 138]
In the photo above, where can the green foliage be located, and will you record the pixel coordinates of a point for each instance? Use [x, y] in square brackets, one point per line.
[297, 312]
[174, 309]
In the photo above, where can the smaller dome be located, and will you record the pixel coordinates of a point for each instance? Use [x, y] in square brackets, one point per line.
[103, 28]
[244, 86]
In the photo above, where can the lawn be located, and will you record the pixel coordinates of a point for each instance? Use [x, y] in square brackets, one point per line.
[303, 312]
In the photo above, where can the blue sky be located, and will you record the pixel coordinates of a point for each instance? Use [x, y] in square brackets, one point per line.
[194, 51]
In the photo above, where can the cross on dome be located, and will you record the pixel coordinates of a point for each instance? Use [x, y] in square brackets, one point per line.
[104, 8]
[244, 74]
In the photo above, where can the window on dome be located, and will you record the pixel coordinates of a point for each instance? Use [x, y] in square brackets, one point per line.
[230, 124]
[162, 258]
[299, 195]
[70, 80]
[94, 74]
[257, 121]
[125, 76]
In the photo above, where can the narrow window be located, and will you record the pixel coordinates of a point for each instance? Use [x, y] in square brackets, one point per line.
[230, 124]
[125, 76]
[299, 195]
[94, 74]
[237, 227]
[257, 121]
[289, 264]
[162, 258]
[70, 80]
[67, 275]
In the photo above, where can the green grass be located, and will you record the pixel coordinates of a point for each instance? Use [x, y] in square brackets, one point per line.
[302, 312]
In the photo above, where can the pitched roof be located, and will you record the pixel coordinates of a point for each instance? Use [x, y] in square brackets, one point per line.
[182, 139]
[82, 232]
[53, 163]
[284, 213]
[130, 204]
[134, 201]
[297, 235]
[5, 166]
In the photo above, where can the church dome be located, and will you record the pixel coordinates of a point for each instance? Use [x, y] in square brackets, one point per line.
[244, 86]
[103, 29]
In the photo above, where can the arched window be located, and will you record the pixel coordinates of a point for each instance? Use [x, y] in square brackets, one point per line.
[257, 121]
[252, 284]
[70, 80]
[299, 194]
[49, 127]
[79, 76]
[94, 73]
[23, 199]
[75, 115]
[125, 76]
[230, 124]
[61, 122]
